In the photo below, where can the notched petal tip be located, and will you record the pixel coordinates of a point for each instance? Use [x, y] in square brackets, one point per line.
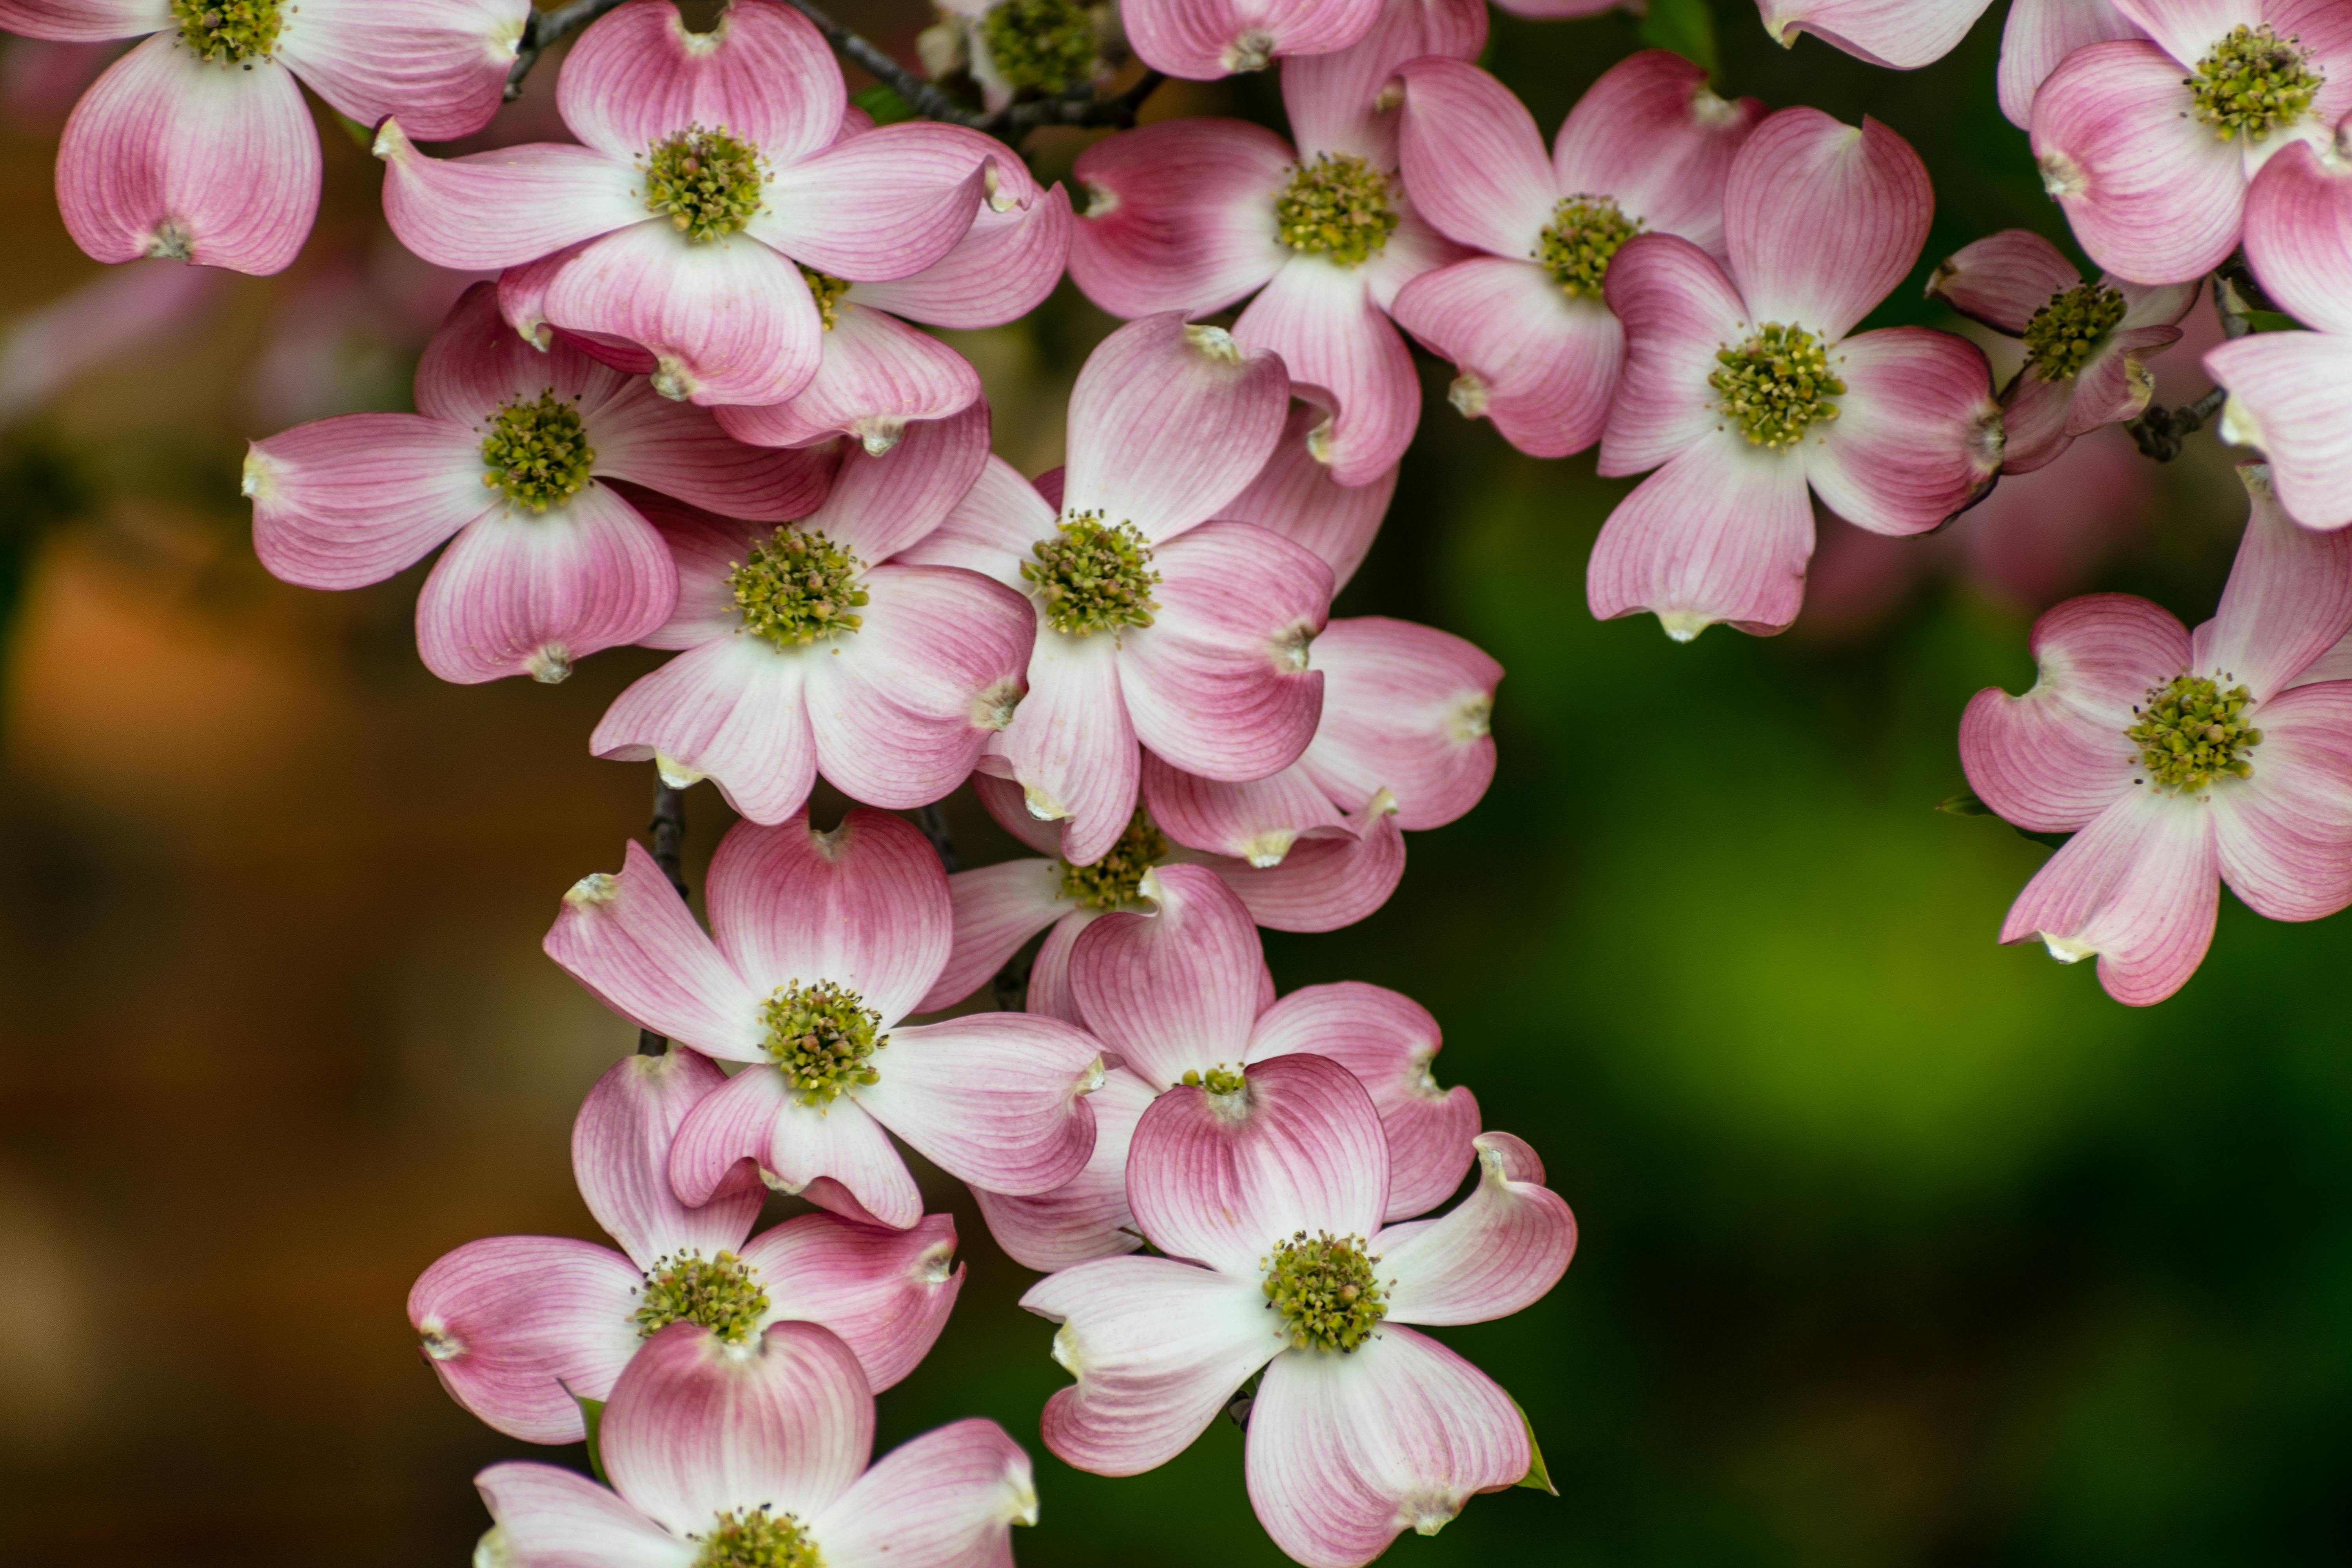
[491, 1551]
[993, 709]
[593, 891]
[434, 1338]
[1684, 625]
[674, 774]
[391, 142]
[1215, 343]
[1468, 395]
[258, 481]
[550, 664]
[2067, 949]
[2061, 176]
[2239, 426]
[1251, 52]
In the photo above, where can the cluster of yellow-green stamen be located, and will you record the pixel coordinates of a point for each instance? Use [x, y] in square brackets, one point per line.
[2252, 82]
[537, 453]
[1045, 45]
[1325, 1288]
[1337, 207]
[798, 587]
[2190, 731]
[1777, 385]
[721, 1293]
[228, 31]
[1111, 883]
[708, 183]
[1584, 233]
[2062, 334]
[1091, 575]
[826, 290]
[823, 1038]
[755, 1538]
[1218, 1080]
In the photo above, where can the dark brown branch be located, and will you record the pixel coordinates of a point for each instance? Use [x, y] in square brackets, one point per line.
[933, 819]
[668, 830]
[2159, 431]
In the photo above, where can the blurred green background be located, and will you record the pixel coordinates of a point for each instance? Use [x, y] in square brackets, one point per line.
[1898, 1247]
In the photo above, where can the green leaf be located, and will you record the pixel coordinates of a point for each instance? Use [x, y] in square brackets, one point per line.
[882, 101]
[1965, 804]
[2272, 321]
[1685, 26]
[591, 1413]
[1537, 1476]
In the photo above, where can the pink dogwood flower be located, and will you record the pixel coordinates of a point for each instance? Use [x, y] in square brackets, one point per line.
[1645, 150]
[2148, 143]
[2037, 38]
[520, 1328]
[198, 146]
[724, 1454]
[505, 459]
[1901, 34]
[1012, 48]
[1266, 1192]
[713, 195]
[2180, 761]
[2291, 392]
[2087, 345]
[820, 943]
[1196, 214]
[1183, 996]
[1154, 623]
[1555, 10]
[811, 649]
[1201, 40]
[1747, 385]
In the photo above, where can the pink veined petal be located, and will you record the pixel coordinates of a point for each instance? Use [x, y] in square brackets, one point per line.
[637, 76]
[2288, 600]
[168, 155]
[2150, 190]
[440, 64]
[697, 1427]
[2291, 397]
[864, 905]
[1179, 215]
[1334, 100]
[84, 21]
[814, 1149]
[545, 1514]
[991, 530]
[1085, 1217]
[632, 941]
[732, 710]
[1072, 744]
[999, 272]
[349, 501]
[2284, 835]
[1918, 437]
[1472, 157]
[884, 204]
[1405, 708]
[2335, 663]
[996, 1099]
[1169, 422]
[2115, 384]
[1720, 533]
[1347, 1452]
[2139, 886]
[2187, 28]
[886, 1293]
[522, 302]
[2037, 38]
[945, 1499]
[523, 593]
[1497, 1252]
[1049, 978]
[1679, 311]
[1388, 1041]
[620, 1156]
[1298, 498]
[508, 1321]
[1201, 40]
[1299, 1147]
[1174, 992]
[2056, 757]
[877, 373]
[1258, 821]
[997, 909]
[1902, 34]
[1649, 134]
[1333, 877]
[878, 505]
[505, 207]
[475, 364]
[706, 548]
[1822, 220]
[2035, 415]
[1005, 802]
[734, 1123]
[1220, 683]
[681, 450]
[1540, 363]
[2003, 279]
[1322, 319]
[2299, 235]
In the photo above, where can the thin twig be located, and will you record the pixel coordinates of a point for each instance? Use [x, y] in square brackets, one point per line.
[934, 820]
[2159, 431]
[668, 829]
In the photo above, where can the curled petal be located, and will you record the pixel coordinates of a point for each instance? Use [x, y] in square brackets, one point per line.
[1903, 34]
[1201, 40]
[731, 710]
[1494, 1253]
[2285, 837]
[631, 941]
[475, 364]
[1072, 744]
[682, 451]
[2139, 886]
[1258, 821]
[997, 1099]
[730, 1130]
[838, 1157]
[879, 505]
[1333, 876]
[997, 909]
[440, 64]
[1298, 496]
[884, 204]
[1651, 134]
[999, 272]
[2290, 396]
[992, 531]
[1179, 215]
[1336, 101]
[1406, 708]
[2003, 279]
[511, 1323]
[1472, 157]
[1918, 437]
[502, 208]
[876, 375]
[2299, 235]
[620, 1156]
[637, 76]
[349, 501]
[2037, 38]
[1679, 311]
[1324, 323]
[1174, 992]
[886, 1292]
[1542, 365]
[1822, 219]
[84, 21]
[545, 1514]
[947, 1498]
[1085, 1217]
[1721, 534]
[2288, 600]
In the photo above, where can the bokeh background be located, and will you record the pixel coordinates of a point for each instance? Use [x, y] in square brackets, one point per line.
[1899, 1247]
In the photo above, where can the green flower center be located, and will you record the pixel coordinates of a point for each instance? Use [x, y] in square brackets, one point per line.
[2063, 332]
[754, 1538]
[1777, 384]
[537, 453]
[1218, 1080]
[228, 31]
[1092, 574]
[707, 182]
[798, 587]
[1111, 883]
[2253, 81]
[2190, 730]
[1047, 45]
[826, 290]
[1325, 1290]
[1585, 232]
[823, 1037]
[1337, 207]
[721, 1293]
